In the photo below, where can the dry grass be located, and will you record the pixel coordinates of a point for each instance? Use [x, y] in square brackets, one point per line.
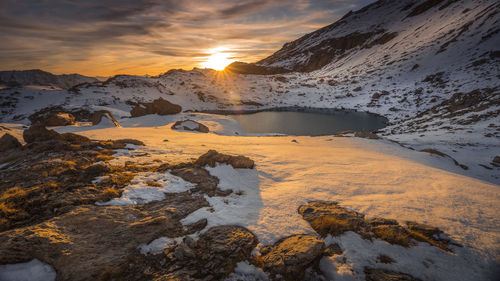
[13, 194]
[109, 193]
[332, 225]
[393, 234]
[153, 184]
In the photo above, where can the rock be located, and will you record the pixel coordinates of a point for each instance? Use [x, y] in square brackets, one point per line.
[59, 119]
[213, 257]
[332, 250]
[212, 157]
[93, 242]
[330, 218]
[75, 138]
[291, 256]
[158, 106]
[190, 125]
[496, 161]
[96, 170]
[367, 135]
[97, 116]
[387, 275]
[38, 133]
[8, 142]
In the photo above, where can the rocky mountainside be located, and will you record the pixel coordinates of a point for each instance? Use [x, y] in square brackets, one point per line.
[42, 78]
[397, 34]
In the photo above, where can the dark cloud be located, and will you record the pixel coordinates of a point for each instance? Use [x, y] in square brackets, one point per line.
[100, 37]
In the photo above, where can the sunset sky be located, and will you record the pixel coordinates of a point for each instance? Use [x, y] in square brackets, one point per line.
[107, 37]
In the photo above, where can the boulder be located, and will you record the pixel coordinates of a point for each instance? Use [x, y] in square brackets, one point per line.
[190, 125]
[496, 161]
[367, 135]
[213, 257]
[212, 157]
[158, 106]
[58, 119]
[38, 133]
[291, 256]
[8, 142]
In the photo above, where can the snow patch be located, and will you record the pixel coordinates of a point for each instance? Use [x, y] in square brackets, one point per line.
[157, 245]
[33, 270]
[247, 272]
[139, 192]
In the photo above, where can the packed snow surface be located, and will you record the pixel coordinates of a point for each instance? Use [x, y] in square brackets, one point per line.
[374, 177]
[33, 270]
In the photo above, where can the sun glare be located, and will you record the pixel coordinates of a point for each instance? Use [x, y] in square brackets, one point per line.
[218, 59]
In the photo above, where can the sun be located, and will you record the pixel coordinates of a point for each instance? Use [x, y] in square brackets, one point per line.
[218, 59]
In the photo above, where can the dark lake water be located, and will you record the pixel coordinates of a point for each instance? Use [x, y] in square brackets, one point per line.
[303, 123]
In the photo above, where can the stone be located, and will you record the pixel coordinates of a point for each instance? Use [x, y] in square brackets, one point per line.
[367, 135]
[58, 119]
[190, 125]
[291, 256]
[38, 133]
[212, 157]
[8, 142]
[158, 106]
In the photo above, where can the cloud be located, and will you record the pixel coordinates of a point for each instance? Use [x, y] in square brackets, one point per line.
[103, 37]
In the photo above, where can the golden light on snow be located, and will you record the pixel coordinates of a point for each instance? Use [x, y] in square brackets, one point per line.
[218, 59]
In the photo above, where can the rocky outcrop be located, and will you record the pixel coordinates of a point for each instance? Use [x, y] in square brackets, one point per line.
[366, 135]
[59, 116]
[212, 157]
[59, 119]
[93, 243]
[8, 142]
[291, 256]
[190, 125]
[214, 256]
[52, 174]
[158, 106]
[329, 218]
[38, 133]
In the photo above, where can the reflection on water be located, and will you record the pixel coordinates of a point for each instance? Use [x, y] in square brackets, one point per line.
[308, 123]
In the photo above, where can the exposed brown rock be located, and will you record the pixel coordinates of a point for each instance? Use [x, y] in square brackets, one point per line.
[182, 125]
[38, 133]
[329, 218]
[332, 250]
[212, 157]
[50, 177]
[59, 119]
[158, 106]
[291, 256]
[91, 242]
[367, 135]
[213, 257]
[8, 142]
[496, 161]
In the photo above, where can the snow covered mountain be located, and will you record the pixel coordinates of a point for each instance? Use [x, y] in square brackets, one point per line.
[42, 78]
[432, 67]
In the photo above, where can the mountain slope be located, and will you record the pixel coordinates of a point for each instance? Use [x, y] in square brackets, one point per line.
[42, 78]
[431, 67]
